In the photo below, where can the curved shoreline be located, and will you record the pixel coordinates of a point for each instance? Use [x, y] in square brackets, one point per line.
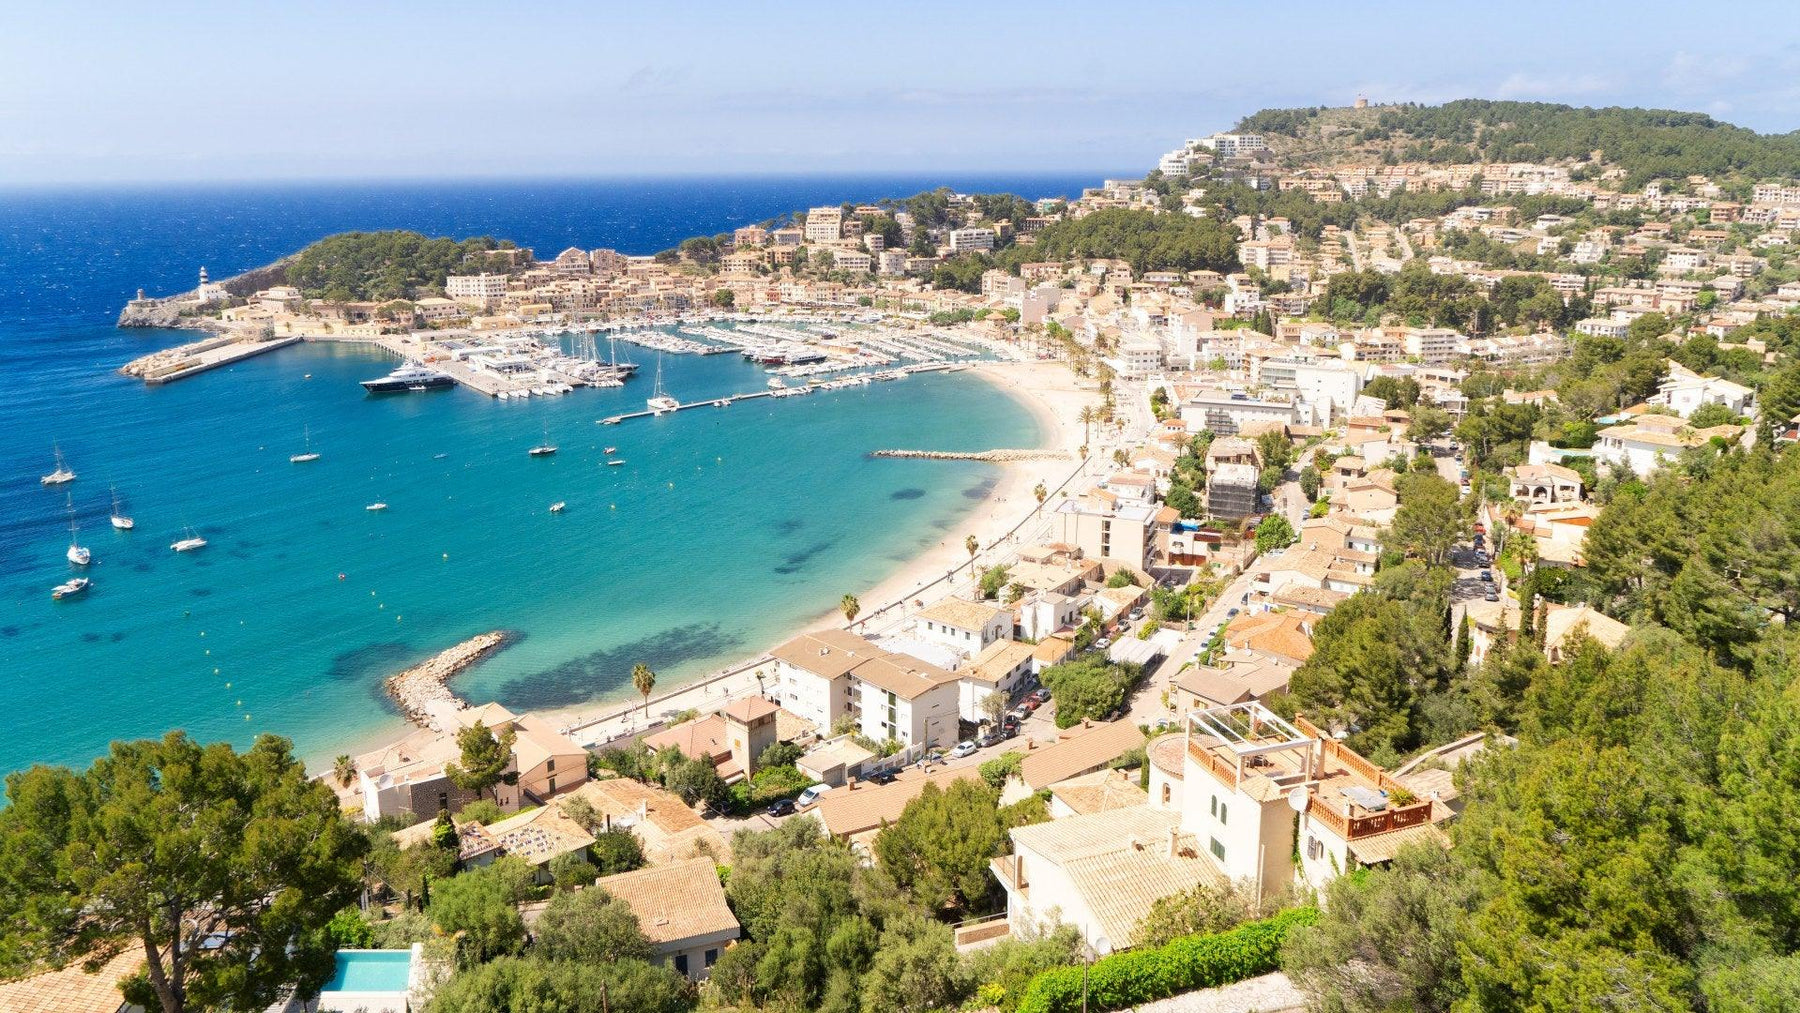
[1048, 391]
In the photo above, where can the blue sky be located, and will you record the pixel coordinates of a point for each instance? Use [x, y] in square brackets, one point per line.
[95, 92]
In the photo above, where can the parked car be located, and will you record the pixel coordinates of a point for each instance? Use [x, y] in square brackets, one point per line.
[781, 807]
[1039, 696]
[882, 776]
[991, 737]
[1492, 595]
[1103, 643]
[811, 795]
[963, 748]
[1487, 575]
[1137, 614]
[1029, 704]
[1231, 613]
[1016, 715]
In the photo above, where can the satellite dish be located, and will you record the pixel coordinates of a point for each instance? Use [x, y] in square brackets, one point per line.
[1297, 800]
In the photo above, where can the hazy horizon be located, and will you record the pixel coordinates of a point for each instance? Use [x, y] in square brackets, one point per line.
[103, 93]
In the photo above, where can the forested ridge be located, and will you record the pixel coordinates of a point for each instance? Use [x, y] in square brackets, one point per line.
[1637, 848]
[1648, 143]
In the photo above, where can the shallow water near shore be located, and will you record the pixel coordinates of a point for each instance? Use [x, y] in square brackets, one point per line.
[725, 529]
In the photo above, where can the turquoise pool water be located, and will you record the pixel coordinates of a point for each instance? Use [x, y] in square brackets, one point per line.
[371, 971]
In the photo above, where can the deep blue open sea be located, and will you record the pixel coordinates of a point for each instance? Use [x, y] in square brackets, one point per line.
[724, 530]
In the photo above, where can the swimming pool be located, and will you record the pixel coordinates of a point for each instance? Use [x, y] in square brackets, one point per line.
[371, 971]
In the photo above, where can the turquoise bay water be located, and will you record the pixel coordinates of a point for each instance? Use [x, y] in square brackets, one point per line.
[726, 529]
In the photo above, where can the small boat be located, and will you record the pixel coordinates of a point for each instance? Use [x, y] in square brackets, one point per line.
[775, 383]
[70, 588]
[62, 473]
[544, 449]
[78, 553]
[119, 518]
[617, 462]
[722, 403]
[376, 506]
[611, 451]
[557, 507]
[439, 457]
[189, 543]
[308, 454]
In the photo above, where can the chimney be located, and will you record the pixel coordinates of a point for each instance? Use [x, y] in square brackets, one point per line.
[1174, 845]
[643, 809]
[850, 784]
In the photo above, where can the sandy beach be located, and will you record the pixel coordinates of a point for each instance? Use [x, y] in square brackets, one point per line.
[1006, 520]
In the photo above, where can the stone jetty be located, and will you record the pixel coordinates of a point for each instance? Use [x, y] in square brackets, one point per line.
[423, 688]
[991, 456]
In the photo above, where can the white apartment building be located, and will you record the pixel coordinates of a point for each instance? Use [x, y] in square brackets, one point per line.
[964, 626]
[824, 225]
[1431, 345]
[1232, 145]
[483, 289]
[971, 240]
[827, 675]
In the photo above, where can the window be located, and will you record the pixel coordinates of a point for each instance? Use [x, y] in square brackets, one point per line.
[681, 964]
[550, 765]
[1218, 849]
[1165, 794]
[712, 957]
[1314, 849]
[553, 786]
[1215, 805]
[1221, 813]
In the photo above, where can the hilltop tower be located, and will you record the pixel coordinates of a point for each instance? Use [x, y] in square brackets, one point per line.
[1362, 102]
[202, 275]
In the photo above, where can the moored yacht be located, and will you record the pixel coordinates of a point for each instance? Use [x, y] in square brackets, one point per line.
[120, 519]
[62, 473]
[188, 542]
[410, 376]
[308, 454]
[69, 589]
[659, 401]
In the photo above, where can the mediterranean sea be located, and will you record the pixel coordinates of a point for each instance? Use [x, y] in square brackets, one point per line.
[724, 531]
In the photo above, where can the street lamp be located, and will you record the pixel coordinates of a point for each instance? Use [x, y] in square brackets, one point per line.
[1088, 956]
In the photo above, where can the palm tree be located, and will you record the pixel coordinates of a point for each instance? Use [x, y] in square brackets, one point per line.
[850, 606]
[1121, 458]
[973, 544]
[1040, 492]
[344, 770]
[1087, 417]
[643, 680]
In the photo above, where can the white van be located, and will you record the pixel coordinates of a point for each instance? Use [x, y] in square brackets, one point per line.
[811, 795]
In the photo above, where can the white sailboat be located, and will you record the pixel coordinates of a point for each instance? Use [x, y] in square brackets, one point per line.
[545, 448]
[62, 473]
[308, 454]
[120, 519]
[188, 542]
[659, 401]
[78, 553]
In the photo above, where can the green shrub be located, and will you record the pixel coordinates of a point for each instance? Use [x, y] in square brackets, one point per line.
[1127, 979]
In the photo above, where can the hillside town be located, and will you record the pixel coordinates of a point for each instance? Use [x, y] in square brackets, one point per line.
[1356, 493]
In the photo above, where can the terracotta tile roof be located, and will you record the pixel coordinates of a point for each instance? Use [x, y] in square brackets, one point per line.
[847, 811]
[1099, 791]
[1383, 847]
[538, 835]
[1001, 657]
[695, 739]
[72, 989]
[1119, 862]
[1083, 750]
[669, 830]
[676, 902]
[1168, 753]
[961, 613]
[1235, 683]
[750, 709]
[1277, 633]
